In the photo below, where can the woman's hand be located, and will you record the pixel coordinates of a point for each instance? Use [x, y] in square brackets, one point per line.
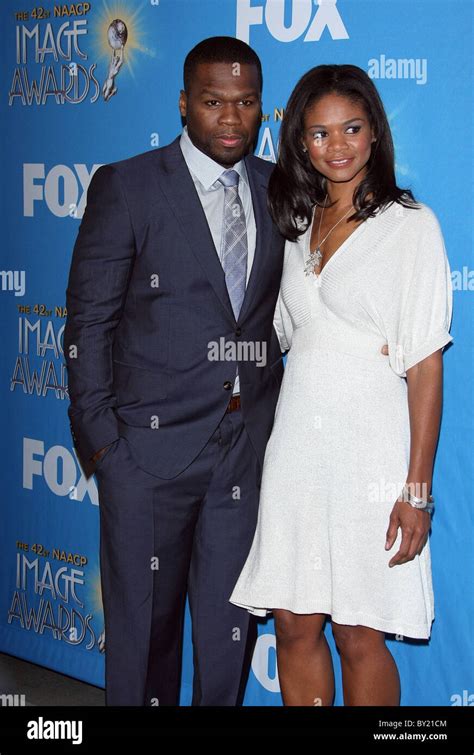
[415, 524]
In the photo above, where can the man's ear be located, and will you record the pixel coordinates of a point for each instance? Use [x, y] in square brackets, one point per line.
[183, 101]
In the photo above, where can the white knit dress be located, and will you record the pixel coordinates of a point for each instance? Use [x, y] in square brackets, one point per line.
[338, 455]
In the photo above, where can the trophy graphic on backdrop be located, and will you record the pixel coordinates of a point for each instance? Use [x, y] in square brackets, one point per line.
[117, 36]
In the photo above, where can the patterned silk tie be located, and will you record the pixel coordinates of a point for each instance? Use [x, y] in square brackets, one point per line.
[234, 241]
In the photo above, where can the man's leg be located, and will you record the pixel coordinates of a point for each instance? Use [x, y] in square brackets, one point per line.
[147, 527]
[223, 634]
[176, 508]
[126, 540]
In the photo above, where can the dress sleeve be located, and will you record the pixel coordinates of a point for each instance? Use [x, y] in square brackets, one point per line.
[282, 324]
[422, 311]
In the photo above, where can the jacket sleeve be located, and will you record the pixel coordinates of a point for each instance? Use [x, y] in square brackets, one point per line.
[100, 271]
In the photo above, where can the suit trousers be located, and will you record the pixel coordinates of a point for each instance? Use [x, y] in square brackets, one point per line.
[161, 540]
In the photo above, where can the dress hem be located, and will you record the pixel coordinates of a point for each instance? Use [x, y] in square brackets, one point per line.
[419, 632]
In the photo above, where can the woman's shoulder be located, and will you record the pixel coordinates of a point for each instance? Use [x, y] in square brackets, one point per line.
[416, 236]
[413, 217]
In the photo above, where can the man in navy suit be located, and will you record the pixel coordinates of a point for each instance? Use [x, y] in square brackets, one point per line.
[174, 373]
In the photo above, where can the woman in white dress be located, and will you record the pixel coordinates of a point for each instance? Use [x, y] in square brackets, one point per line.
[345, 506]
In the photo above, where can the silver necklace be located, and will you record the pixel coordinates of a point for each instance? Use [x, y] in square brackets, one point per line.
[316, 256]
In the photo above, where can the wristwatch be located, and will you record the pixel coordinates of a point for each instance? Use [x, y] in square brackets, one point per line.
[418, 503]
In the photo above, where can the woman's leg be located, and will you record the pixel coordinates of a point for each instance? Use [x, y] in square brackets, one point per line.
[369, 672]
[304, 659]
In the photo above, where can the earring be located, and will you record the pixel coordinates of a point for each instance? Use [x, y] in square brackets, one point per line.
[305, 149]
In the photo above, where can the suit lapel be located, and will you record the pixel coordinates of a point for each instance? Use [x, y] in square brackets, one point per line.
[258, 188]
[178, 188]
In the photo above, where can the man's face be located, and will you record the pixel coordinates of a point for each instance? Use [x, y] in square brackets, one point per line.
[223, 110]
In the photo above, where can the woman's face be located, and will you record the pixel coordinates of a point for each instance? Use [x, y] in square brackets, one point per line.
[338, 137]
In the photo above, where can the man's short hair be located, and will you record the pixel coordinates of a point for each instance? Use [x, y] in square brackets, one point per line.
[220, 50]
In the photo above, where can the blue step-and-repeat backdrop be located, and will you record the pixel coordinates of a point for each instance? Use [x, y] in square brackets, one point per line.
[59, 123]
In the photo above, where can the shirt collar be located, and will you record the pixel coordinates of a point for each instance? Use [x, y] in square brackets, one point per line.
[204, 168]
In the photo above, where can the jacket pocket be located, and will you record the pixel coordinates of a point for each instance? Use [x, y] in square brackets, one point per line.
[140, 394]
[132, 382]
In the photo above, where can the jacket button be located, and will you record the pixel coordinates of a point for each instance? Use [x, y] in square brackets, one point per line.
[227, 385]
[238, 332]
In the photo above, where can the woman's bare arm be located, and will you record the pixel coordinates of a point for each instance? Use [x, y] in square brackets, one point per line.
[425, 394]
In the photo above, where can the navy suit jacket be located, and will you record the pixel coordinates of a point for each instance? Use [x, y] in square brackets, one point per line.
[146, 296]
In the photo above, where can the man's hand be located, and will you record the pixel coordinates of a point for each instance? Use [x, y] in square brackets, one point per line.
[384, 349]
[100, 453]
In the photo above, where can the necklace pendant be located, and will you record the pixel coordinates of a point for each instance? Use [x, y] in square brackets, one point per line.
[313, 260]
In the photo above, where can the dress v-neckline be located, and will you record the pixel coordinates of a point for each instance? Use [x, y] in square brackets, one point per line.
[307, 245]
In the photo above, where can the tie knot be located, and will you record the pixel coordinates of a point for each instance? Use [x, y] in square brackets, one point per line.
[229, 178]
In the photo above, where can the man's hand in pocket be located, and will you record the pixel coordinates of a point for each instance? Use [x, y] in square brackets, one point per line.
[100, 453]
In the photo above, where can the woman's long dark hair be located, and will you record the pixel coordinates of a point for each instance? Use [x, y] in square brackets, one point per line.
[295, 186]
